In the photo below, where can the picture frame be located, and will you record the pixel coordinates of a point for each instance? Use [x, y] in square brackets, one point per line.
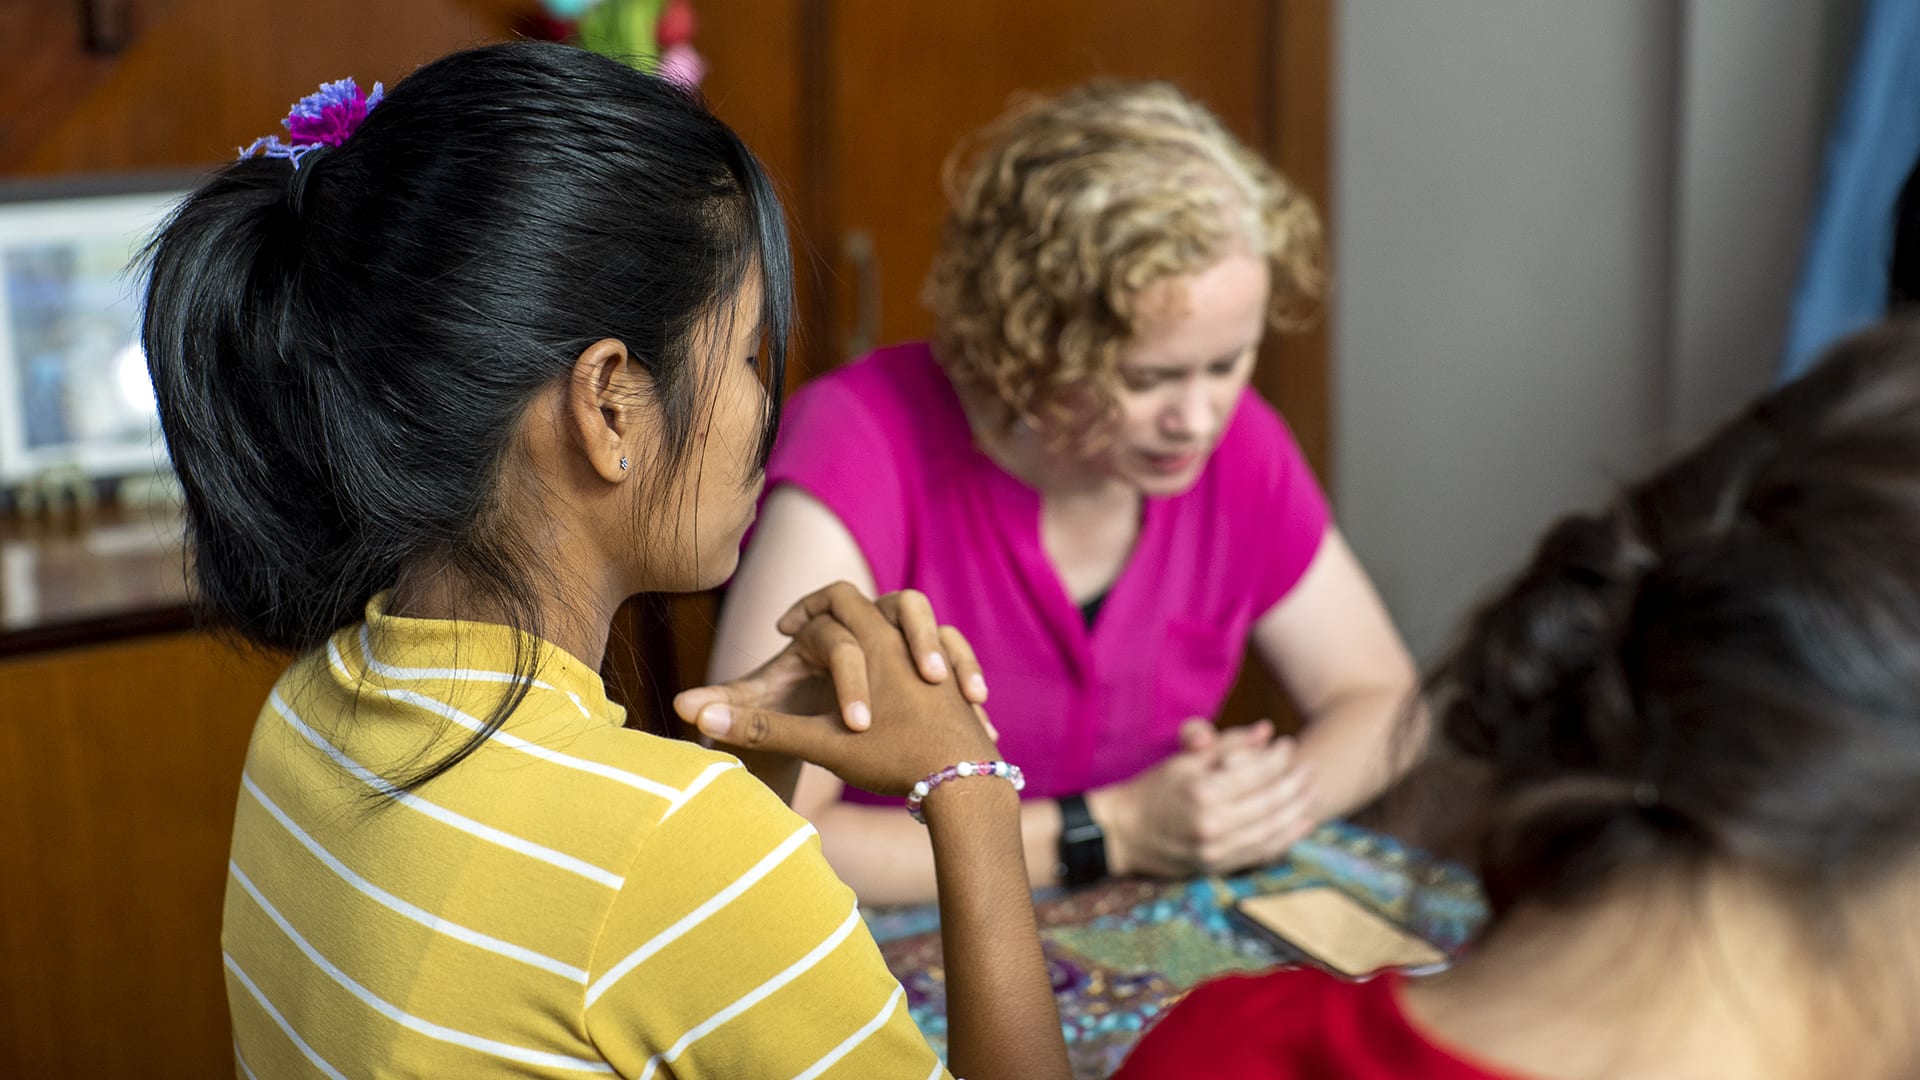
[75, 397]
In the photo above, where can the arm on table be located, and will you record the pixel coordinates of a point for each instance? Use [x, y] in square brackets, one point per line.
[1331, 644]
[1165, 822]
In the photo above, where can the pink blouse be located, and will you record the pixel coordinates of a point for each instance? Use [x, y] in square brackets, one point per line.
[883, 443]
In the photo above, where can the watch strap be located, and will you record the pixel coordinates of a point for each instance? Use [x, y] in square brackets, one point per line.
[1083, 844]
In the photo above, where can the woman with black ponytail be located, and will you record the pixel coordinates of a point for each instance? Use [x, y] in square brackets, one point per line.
[1698, 711]
[448, 374]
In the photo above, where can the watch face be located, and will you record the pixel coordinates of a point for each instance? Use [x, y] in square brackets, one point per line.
[1083, 834]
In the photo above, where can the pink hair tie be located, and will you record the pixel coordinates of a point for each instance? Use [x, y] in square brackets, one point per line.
[323, 118]
[1003, 770]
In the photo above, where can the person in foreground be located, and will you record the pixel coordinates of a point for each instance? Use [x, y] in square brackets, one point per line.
[1700, 712]
[447, 375]
[1078, 475]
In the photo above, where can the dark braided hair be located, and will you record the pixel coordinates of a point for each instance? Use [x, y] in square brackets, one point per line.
[1723, 664]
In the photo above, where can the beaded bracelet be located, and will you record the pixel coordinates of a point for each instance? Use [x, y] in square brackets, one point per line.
[1001, 769]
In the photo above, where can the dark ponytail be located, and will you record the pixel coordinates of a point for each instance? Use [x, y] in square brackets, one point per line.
[1722, 665]
[342, 351]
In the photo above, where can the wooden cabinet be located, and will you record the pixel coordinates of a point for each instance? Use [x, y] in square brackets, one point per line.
[119, 767]
[199, 78]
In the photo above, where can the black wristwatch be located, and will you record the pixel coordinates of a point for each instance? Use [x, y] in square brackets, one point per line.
[1083, 844]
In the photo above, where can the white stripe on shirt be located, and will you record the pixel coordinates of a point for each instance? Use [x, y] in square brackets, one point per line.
[510, 1052]
[847, 1045]
[418, 914]
[311, 1055]
[339, 662]
[699, 784]
[700, 914]
[434, 705]
[755, 996]
[440, 813]
[391, 671]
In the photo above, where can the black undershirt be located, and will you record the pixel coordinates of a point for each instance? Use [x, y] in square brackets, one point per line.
[1091, 609]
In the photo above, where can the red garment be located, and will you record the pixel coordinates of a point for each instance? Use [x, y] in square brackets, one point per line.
[1294, 1025]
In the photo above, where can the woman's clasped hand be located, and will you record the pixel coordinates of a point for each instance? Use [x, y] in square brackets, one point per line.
[1229, 800]
[875, 691]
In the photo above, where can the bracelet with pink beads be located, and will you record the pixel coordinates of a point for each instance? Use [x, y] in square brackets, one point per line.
[1004, 770]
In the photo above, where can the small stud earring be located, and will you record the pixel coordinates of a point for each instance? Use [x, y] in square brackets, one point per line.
[623, 463]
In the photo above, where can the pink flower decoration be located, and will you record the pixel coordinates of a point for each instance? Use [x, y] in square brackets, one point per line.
[681, 64]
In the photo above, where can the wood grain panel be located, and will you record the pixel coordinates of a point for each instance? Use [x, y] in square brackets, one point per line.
[754, 79]
[1294, 373]
[205, 77]
[908, 80]
[760, 82]
[119, 766]
[1294, 368]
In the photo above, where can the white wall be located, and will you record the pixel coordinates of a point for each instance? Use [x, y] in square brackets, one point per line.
[1752, 110]
[1565, 236]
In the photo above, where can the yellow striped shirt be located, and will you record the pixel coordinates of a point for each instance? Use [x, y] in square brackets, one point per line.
[574, 899]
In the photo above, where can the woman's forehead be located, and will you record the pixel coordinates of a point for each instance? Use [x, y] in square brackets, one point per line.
[1198, 318]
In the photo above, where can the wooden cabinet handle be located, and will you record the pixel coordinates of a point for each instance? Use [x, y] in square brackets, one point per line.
[858, 248]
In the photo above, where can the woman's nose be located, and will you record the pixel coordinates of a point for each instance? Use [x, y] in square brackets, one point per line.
[1191, 414]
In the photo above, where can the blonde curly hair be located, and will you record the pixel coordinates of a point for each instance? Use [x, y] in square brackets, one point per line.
[1064, 210]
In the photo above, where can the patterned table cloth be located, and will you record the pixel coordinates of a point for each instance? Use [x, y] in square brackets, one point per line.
[1122, 952]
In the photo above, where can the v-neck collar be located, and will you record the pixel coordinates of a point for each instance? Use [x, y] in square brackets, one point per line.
[1016, 508]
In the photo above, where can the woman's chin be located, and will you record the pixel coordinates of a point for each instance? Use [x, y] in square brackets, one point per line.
[718, 570]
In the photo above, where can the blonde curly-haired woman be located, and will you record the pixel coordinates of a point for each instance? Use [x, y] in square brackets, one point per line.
[1077, 474]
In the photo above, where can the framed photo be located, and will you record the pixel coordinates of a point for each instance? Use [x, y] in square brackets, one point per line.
[74, 390]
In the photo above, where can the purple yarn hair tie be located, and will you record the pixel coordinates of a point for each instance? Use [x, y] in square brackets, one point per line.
[323, 118]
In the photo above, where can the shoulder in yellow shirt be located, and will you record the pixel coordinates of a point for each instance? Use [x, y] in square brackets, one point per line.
[574, 898]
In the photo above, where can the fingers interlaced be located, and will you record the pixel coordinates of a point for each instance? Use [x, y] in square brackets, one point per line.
[827, 643]
[966, 666]
[912, 613]
[759, 729]
[907, 614]
[843, 602]
[986, 724]
[839, 629]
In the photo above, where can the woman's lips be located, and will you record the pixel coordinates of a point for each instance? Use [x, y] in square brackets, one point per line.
[1171, 464]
